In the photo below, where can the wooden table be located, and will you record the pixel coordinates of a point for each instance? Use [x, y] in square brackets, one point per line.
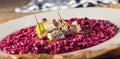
[7, 9]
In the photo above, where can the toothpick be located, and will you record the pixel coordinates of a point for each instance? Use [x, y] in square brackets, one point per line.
[61, 17]
[37, 23]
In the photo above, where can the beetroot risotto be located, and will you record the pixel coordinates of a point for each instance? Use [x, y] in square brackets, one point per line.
[27, 41]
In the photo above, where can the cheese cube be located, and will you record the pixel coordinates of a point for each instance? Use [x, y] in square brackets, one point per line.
[49, 26]
[76, 26]
[55, 35]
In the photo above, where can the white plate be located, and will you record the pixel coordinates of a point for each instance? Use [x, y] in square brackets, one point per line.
[110, 14]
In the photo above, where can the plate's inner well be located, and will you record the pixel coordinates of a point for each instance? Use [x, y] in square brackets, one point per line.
[26, 40]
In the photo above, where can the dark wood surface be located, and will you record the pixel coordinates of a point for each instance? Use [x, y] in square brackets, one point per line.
[7, 9]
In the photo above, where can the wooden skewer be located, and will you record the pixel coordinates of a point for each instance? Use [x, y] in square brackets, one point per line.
[61, 17]
[37, 23]
[65, 23]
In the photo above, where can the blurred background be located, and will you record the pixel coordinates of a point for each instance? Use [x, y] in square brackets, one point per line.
[7, 9]
[12, 9]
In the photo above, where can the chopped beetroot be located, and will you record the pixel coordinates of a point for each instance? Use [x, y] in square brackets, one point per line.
[26, 40]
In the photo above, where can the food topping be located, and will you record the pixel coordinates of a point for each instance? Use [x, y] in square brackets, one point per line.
[49, 26]
[44, 19]
[76, 27]
[40, 30]
[55, 35]
[58, 29]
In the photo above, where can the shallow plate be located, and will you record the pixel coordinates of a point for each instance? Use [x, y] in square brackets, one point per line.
[110, 14]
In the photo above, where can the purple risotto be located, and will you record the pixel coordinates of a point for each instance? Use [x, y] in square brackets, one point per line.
[93, 32]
